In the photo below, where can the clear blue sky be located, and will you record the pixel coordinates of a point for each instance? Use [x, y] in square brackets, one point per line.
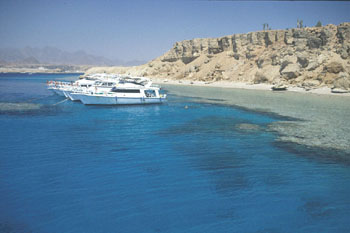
[143, 30]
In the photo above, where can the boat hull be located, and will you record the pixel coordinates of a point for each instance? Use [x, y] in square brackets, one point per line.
[76, 96]
[65, 93]
[70, 95]
[113, 100]
[97, 100]
[58, 92]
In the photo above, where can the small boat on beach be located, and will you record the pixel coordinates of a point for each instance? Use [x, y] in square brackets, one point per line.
[279, 87]
[339, 91]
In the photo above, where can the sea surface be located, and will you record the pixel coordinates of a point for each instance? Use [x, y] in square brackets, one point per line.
[184, 166]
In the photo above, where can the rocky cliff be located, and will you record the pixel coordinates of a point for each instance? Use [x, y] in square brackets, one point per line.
[307, 57]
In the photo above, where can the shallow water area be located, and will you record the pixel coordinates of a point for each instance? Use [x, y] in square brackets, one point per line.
[311, 120]
[183, 166]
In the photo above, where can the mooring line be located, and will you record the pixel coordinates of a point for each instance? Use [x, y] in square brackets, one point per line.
[60, 102]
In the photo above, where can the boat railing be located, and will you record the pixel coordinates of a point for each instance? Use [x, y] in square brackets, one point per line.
[58, 84]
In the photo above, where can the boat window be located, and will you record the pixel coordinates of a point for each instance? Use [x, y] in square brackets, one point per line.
[150, 93]
[126, 90]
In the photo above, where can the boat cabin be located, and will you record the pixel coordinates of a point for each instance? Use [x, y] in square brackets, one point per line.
[148, 93]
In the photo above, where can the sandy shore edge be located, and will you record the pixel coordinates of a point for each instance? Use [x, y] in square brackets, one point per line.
[235, 85]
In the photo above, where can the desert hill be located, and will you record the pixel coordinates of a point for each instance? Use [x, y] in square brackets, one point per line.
[305, 57]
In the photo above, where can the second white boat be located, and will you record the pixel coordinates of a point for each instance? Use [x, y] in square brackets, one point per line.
[120, 96]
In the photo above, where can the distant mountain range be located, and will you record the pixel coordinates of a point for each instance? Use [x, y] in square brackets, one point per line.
[52, 55]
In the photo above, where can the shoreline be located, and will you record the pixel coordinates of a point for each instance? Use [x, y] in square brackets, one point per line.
[317, 121]
[236, 85]
[219, 84]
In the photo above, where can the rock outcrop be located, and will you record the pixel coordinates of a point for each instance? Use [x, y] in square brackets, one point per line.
[311, 57]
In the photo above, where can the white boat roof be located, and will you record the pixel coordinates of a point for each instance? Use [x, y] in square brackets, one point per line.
[122, 79]
[85, 81]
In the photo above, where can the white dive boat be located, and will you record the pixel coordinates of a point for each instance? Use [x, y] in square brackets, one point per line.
[122, 95]
[109, 90]
[60, 88]
[57, 86]
[101, 86]
[80, 85]
[127, 91]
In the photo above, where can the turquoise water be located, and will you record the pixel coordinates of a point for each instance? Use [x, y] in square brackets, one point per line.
[184, 166]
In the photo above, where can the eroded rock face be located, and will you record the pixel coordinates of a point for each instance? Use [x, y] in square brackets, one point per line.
[343, 32]
[311, 83]
[312, 66]
[334, 67]
[342, 81]
[288, 56]
[260, 78]
[303, 60]
[291, 71]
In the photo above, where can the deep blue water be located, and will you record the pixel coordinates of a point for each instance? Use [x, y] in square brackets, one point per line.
[67, 167]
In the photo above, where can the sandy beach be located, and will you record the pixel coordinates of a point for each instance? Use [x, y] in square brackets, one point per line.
[267, 87]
